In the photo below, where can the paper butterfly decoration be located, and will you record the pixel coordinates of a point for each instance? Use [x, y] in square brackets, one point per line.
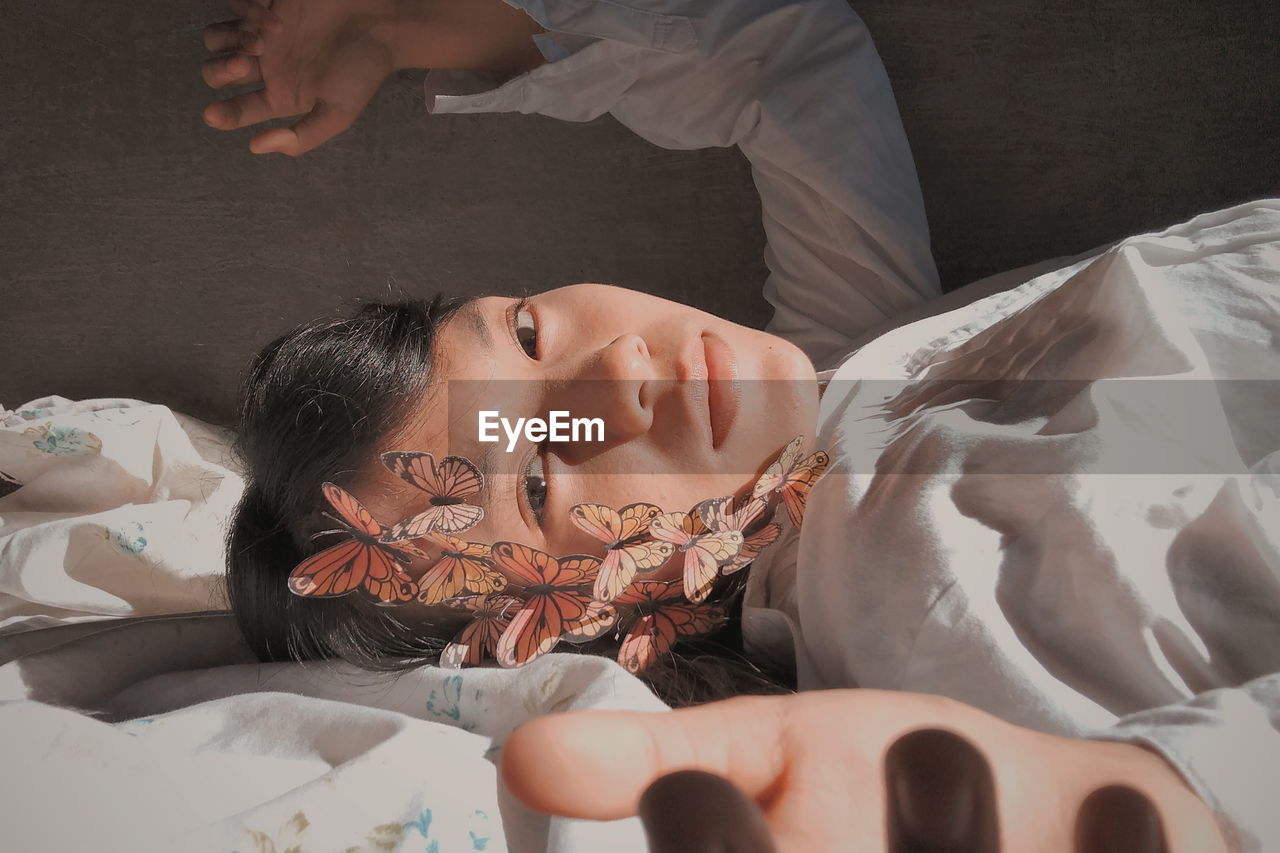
[477, 641]
[557, 595]
[792, 478]
[365, 562]
[719, 517]
[628, 548]
[525, 601]
[705, 550]
[664, 617]
[455, 479]
[462, 567]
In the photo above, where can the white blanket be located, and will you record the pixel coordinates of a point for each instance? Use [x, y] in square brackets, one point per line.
[121, 513]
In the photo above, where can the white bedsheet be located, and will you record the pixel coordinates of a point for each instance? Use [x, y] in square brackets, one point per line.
[122, 513]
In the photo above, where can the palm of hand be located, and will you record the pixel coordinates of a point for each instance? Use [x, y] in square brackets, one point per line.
[317, 59]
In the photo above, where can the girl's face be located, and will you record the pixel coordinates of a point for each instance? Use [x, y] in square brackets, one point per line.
[693, 407]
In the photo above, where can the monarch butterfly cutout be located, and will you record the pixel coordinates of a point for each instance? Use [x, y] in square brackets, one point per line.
[718, 517]
[665, 618]
[447, 484]
[477, 641]
[792, 478]
[705, 550]
[594, 624]
[557, 593]
[462, 567]
[628, 549]
[364, 562]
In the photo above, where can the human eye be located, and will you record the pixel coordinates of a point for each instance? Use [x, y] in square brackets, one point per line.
[534, 484]
[524, 327]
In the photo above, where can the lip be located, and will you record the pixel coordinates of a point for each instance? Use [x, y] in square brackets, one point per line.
[724, 386]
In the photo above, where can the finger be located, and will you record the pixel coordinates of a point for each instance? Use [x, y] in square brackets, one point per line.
[226, 70]
[695, 812]
[1118, 819]
[317, 127]
[940, 795]
[256, 17]
[240, 111]
[596, 764]
[231, 38]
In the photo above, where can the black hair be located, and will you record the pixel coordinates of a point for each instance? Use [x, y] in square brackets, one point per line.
[315, 405]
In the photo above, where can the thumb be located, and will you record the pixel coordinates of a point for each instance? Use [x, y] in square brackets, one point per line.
[596, 764]
[324, 122]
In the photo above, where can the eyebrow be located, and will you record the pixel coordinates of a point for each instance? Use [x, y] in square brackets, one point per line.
[476, 321]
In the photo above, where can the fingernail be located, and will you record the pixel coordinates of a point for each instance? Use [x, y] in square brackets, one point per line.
[941, 795]
[1118, 819]
[695, 812]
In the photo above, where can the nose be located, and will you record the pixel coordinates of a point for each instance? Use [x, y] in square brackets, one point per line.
[612, 384]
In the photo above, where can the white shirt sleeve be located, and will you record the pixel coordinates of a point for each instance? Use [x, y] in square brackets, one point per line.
[799, 87]
[1226, 743]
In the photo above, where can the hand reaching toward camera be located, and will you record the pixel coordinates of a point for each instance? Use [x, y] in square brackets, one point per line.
[858, 770]
[323, 60]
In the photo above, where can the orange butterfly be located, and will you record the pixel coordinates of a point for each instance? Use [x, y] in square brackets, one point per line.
[665, 618]
[792, 478]
[477, 641]
[594, 624]
[557, 599]
[705, 550]
[462, 567]
[628, 549]
[718, 517]
[364, 562]
[454, 479]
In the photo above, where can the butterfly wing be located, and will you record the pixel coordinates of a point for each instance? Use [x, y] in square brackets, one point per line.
[538, 626]
[593, 624]
[752, 546]
[655, 634]
[333, 571]
[351, 512]
[477, 641]
[385, 582]
[774, 474]
[455, 477]
[349, 566]
[462, 567]
[560, 599]
[675, 527]
[620, 566]
[361, 563]
[530, 566]
[796, 485]
[450, 518]
[634, 519]
[703, 558]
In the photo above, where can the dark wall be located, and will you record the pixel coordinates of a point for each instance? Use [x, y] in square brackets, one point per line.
[144, 255]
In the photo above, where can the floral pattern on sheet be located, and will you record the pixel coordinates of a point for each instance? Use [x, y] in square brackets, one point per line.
[63, 440]
[446, 703]
[291, 837]
[127, 539]
[478, 831]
